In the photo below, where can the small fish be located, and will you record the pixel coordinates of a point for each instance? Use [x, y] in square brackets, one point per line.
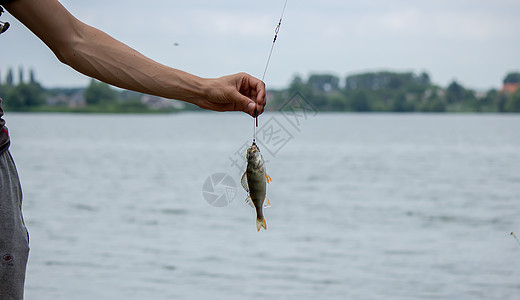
[254, 182]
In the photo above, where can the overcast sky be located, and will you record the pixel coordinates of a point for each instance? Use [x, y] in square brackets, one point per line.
[475, 42]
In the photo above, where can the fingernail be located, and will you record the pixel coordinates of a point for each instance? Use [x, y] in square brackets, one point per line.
[251, 106]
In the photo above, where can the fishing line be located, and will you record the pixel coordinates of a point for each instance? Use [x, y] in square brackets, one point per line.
[277, 29]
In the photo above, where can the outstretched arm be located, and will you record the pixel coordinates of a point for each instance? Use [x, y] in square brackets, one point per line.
[98, 55]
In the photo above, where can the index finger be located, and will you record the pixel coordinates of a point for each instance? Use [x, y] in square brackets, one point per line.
[260, 93]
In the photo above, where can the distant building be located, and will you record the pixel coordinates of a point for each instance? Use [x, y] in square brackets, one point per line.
[77, 100]
[60, 99]
[73, 100]
[510, 88]
[157, 103]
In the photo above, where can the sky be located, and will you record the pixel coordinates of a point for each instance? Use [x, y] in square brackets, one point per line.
[475, 42]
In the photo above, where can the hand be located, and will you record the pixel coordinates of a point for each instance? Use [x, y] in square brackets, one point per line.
[237, 92]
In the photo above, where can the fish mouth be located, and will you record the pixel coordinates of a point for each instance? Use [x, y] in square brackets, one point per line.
[252, 150]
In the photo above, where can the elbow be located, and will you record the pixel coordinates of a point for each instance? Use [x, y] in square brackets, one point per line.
[65, 54]
[62, 56]
[76, 51]
[66, 49]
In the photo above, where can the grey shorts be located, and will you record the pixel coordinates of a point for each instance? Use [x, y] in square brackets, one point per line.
[14, 239]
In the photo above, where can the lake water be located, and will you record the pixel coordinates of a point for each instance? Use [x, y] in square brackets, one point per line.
[364, 206]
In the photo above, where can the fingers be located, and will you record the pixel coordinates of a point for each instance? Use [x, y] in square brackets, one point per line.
[260, 96]
[248, 106]
[237, 92]
[253, 93]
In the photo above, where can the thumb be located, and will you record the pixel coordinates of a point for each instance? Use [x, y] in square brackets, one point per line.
[248, 105]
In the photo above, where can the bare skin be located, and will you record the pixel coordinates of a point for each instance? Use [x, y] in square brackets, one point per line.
[98, 55]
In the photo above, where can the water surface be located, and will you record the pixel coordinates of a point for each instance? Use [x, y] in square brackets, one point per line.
[375, 206]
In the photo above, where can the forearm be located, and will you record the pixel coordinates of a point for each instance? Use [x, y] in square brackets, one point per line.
[98, 55]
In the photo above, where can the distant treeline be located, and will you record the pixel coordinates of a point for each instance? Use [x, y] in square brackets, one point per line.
[398, 92]
[97, 97]
[367, 92]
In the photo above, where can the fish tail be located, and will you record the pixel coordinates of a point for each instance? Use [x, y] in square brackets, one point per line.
[260, 222]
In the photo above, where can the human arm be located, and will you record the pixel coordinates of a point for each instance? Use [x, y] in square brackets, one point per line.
[96, 54]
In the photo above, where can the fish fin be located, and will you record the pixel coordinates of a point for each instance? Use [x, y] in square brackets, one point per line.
[250, 202]
[267, 203]
[268, 178]
[243, 181]
[260, 223]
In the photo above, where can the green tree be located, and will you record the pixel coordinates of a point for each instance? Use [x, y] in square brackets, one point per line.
[400, 104]
[395, 81]
[99, 92]
[512, 78]
[324, 82]
[382, 80]
[9, 80]
[360, 102]
[32, 78]
[20, 75]
[501, 102]
[424, 79]
[297, 85]
[24, 96]
[338, 102]
[513, 103]
[490, 97]
[436, 105]
[454, 93]
[3, 90]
